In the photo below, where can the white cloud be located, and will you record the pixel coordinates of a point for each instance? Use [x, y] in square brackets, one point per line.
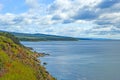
[32, 3]
[79, 18]
[7, 19]
[68, 8]
[103, 29]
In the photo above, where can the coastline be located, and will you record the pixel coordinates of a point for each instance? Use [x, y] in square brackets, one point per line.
[18, 62]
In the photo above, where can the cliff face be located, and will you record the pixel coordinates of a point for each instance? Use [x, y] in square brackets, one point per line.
[18, 62]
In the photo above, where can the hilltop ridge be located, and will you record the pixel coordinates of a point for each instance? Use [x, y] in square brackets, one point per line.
[40, 37]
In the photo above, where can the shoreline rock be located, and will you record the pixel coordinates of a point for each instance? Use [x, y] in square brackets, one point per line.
[20, 63]
[40, 54]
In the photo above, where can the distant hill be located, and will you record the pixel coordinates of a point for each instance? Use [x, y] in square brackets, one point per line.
[42, 37]
[93, 39]
[46, 37]
[101, 39]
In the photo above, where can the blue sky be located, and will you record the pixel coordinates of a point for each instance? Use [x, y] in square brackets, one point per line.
[76, 18]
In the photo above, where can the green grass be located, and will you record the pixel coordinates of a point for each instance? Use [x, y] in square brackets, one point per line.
[18, 62]
[15, 69]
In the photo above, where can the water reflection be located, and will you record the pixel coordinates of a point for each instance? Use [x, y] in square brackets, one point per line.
[81, 60]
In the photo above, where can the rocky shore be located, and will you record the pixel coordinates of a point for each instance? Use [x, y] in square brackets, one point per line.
[17, 62]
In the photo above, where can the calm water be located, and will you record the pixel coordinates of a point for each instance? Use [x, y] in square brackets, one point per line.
[81, 60]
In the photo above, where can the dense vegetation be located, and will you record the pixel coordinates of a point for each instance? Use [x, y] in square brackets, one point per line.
[18, 62]
[42, 37]
[12, 37]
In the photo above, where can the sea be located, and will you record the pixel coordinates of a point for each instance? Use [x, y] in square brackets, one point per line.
[80, 60]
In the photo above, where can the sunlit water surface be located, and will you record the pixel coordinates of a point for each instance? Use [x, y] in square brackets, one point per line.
[80, 60]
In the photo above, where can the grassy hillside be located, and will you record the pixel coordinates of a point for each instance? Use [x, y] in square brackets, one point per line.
[18, 62]
[42, 37]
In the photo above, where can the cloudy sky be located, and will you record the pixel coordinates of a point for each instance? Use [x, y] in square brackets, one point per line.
[77, 18]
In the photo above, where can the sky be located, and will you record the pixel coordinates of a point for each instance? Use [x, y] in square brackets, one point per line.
[75, 18]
